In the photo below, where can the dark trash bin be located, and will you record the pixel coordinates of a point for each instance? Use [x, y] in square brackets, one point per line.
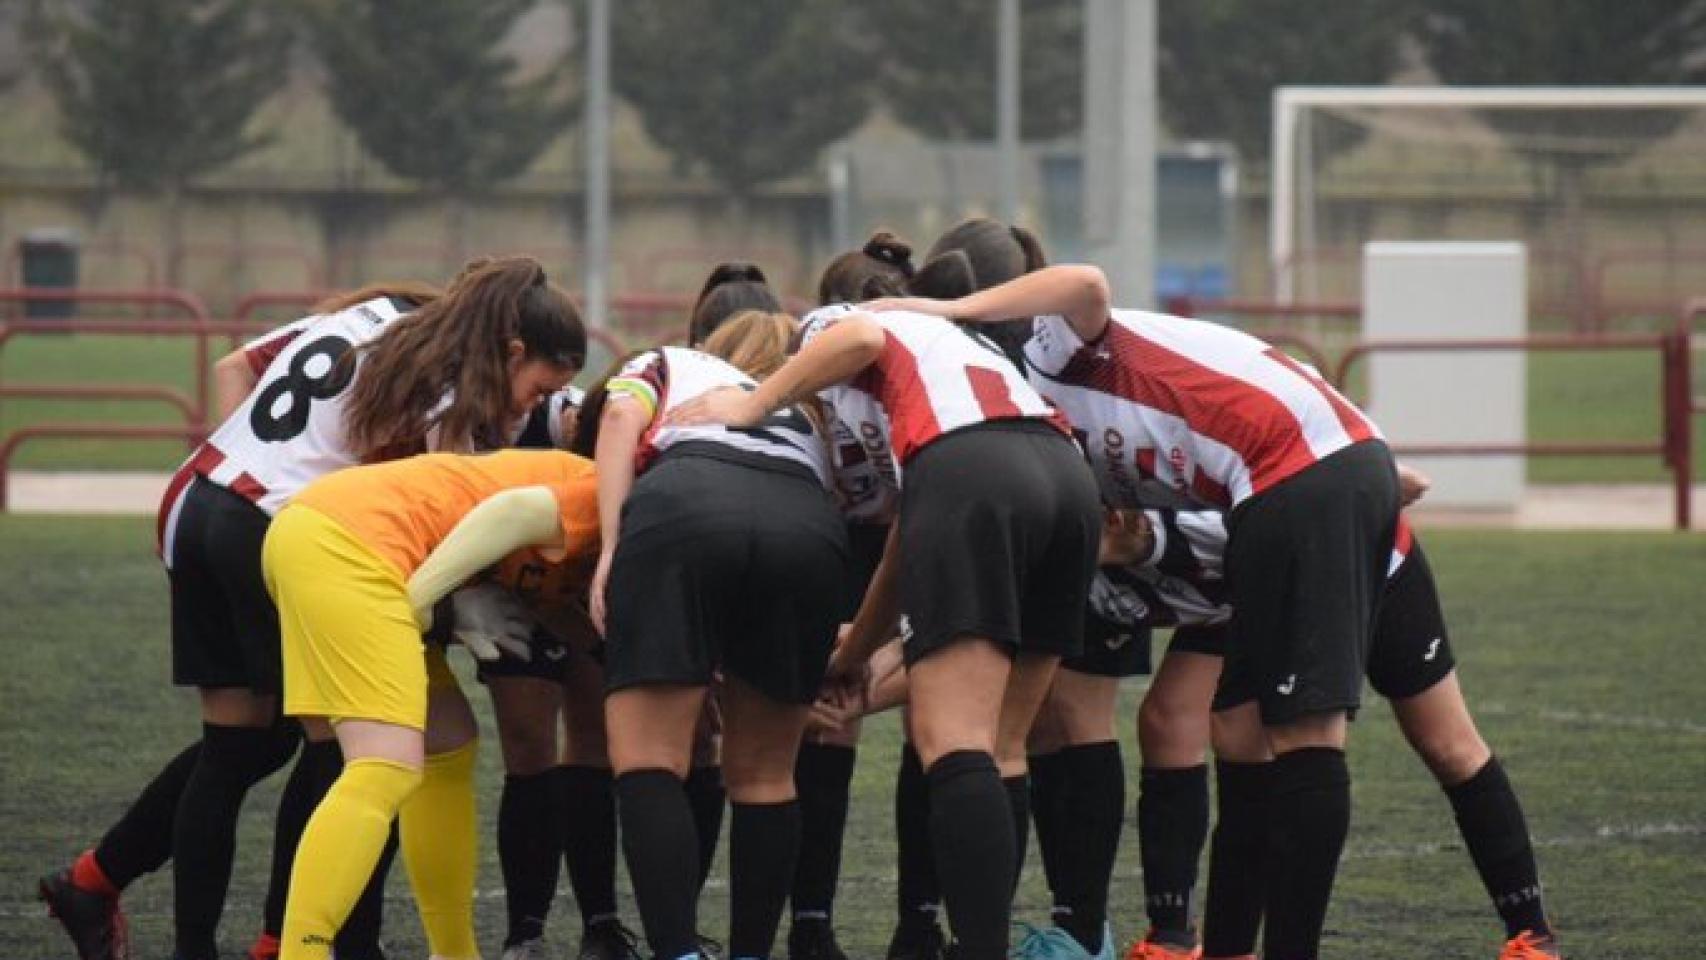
[48, 259]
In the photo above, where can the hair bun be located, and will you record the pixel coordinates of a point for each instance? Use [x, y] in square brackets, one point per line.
[735, 272]
[890, 249]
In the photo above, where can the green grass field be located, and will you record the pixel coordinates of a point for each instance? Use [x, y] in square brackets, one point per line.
[1580, 653]
[1572, 397]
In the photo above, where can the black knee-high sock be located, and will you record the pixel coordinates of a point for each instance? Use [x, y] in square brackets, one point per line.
[141, 841]
[1310, 815]
[1019, 802]
[316, 770]
[657, 825]
[1490, 818]
[1047, 811]
[1237, 861]
[530, 845]
[587, 805]
[823, 775]
[919, 894]
[1091, 812]
[971, 824]
[706, 793]
[204, 834]
[764, 840]
[1172, 826]
[359, 937]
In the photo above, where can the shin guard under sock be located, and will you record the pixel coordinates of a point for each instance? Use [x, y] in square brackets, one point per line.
[657, 828]
[823, 775]
[971, 826]
[530, 849]
[764, 840]
[1310, 815]
[141, 841]
[204, 830]
[1489, 816]
[587, 805]
[1237, 860]
[339, 848]
[441, 851]
[1172, 826]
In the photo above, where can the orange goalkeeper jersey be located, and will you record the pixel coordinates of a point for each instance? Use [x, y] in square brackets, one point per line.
[403, 509]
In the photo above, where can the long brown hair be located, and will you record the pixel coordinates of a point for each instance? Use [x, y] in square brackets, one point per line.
[457, 347]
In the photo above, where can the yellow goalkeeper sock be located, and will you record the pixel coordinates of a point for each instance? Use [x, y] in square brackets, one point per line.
[440, 849]
[339, 848]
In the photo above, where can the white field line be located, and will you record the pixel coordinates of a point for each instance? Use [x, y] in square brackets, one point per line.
[1655, 724]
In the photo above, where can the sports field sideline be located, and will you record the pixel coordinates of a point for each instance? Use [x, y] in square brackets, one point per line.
[1580, 654]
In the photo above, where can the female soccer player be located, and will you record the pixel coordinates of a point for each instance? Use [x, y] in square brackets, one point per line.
[1173, 577]
[498, 338]
[867, 487]
[991, 573]
[356, 563]
[1206, 414]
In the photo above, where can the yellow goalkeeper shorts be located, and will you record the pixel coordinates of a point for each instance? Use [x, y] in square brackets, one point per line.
[352, 649]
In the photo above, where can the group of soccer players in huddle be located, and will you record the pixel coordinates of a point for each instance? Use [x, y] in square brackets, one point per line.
[969, 488]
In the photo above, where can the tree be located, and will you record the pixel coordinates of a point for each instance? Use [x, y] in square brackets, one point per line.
[1567, 43]
[938, 65]
[430, 93]
[748, 91]
[156, 93]
[1222, 59]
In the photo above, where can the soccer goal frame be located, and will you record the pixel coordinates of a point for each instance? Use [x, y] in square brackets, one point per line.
[1290, 104]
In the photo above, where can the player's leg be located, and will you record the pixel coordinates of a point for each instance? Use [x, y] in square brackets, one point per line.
[1078, 795]
[436, 824]
[706, 791]
[958, 693]
[1412, 665]
[585, 804]
[823, 775]
[347, 832]
[918, 895]
[650, 731]
[317, 768]
[529, 822]
[1173, 732]
[761, 744]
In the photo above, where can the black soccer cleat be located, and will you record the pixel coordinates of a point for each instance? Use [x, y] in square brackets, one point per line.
[813, 938]
[607, 939]
[917, 941]
[94, 922]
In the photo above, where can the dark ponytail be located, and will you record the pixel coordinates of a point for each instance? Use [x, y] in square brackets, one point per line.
[730, 289]
[878, 269]
[458, 347]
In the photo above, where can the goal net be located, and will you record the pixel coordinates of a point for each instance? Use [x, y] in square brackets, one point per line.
[1606, 186]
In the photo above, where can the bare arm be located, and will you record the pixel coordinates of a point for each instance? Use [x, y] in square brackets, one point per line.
[624, 421]
[1076, 291]
[834, 356]
[233, 379]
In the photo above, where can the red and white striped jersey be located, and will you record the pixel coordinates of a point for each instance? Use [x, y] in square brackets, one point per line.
[867, 478]
[932, 379]
[289, 430]
[1211, 413]
[668, 377]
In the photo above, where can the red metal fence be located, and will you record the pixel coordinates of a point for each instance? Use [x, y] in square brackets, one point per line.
[1673, 446]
